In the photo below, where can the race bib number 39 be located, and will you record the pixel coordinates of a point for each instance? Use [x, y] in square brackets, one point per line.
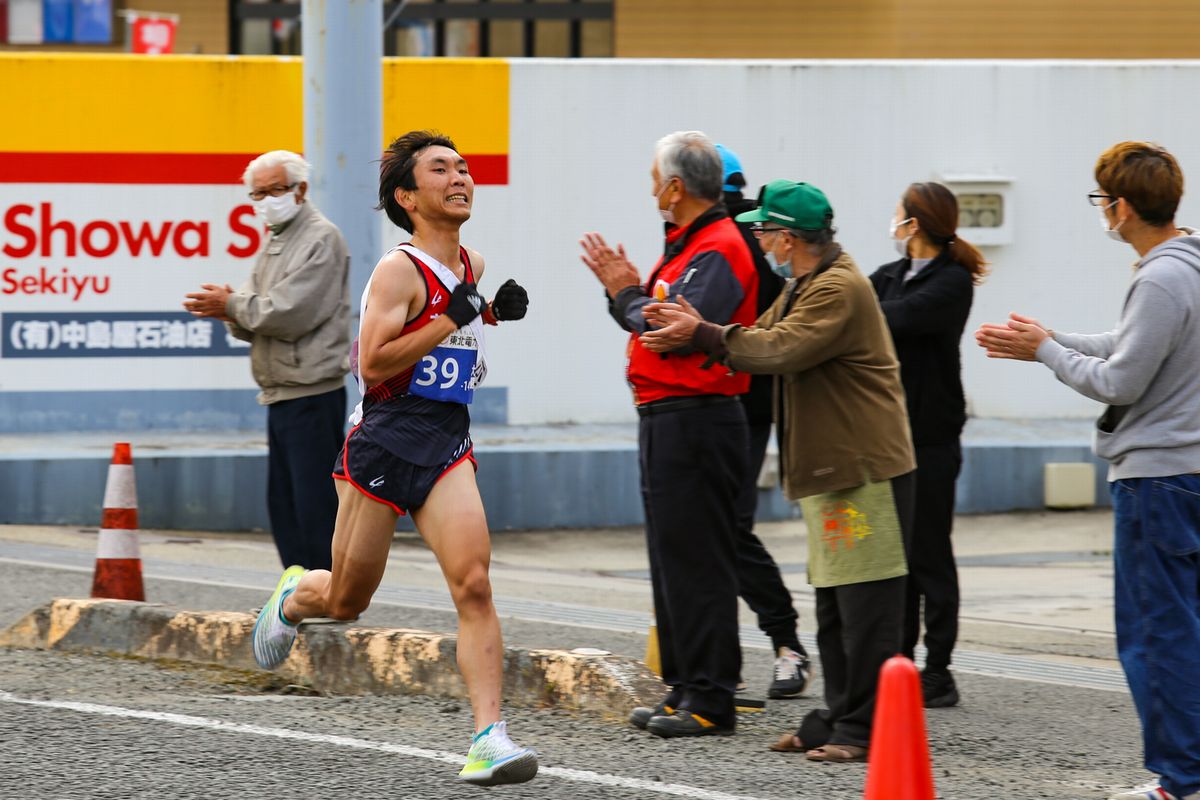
[447, 373]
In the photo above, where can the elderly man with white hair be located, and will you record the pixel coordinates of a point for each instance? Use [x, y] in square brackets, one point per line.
[692, 436]
[295, 311]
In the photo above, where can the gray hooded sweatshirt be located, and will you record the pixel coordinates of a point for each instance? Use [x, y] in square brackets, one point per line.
[1147, 370]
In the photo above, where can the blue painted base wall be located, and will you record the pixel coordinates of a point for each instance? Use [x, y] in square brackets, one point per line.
[172, 410]
[521, 488]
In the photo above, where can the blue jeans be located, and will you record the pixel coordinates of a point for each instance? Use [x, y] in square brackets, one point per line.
[1157, 599]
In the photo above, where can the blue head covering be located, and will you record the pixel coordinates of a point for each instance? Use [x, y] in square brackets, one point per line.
[731, 165]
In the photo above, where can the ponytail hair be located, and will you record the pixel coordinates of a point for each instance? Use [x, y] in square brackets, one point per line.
[967, 254]
[935, 208]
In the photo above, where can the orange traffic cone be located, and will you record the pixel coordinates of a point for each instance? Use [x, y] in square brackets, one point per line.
[652, 660]
[118, 562]
[899, 767]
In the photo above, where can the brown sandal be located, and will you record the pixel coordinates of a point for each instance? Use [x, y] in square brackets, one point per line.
[788, 743]
[838, 753]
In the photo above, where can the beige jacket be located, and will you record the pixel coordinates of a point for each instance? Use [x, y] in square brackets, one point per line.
[295, 310]
[839, 403]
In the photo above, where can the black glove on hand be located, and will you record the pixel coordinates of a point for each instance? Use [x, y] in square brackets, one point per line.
[465, 304]
[511, 301]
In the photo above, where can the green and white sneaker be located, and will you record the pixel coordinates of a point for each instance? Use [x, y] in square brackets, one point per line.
[493, 759]
[273, 635]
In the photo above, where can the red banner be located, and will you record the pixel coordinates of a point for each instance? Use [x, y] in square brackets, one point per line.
[151, 36]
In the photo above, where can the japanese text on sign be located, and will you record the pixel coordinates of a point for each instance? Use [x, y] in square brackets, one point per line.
[115, 334]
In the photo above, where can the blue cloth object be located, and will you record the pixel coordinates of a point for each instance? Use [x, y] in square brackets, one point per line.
[56, 20]
[93, 21]
[730, 165]
[1156, 557]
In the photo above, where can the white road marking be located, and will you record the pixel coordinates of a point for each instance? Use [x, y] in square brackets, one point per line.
[441, 756]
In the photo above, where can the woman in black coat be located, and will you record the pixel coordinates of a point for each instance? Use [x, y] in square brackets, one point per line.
[926, 297]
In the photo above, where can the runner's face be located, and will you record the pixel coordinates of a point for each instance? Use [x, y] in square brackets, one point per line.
[445, 188]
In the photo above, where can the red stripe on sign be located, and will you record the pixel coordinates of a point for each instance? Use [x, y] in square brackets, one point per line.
[122, 453]
[171, 168]
[152, 168]
[119, 519]
[489, 170]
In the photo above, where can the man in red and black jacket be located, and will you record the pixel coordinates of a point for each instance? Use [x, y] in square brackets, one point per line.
[692, 435]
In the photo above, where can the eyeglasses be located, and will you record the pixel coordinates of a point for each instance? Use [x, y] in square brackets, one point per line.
[274, 191]
[759, 231]
[1099, 198]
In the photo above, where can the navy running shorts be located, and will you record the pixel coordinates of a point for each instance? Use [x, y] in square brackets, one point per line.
[386, 478]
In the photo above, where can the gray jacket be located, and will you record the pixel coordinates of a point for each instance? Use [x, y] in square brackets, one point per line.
[295, 310]
[1146, 369]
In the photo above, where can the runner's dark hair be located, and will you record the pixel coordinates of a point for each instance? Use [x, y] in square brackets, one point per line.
[396, 170]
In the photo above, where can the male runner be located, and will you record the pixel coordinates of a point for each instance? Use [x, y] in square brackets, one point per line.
[419, 358]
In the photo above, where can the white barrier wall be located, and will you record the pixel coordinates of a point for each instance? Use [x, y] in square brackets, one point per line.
[560, 147]
[581, 143]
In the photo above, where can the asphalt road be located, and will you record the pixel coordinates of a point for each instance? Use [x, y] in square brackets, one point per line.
[106, 727]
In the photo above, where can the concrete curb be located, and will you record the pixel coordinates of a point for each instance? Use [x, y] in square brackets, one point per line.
[338, 659]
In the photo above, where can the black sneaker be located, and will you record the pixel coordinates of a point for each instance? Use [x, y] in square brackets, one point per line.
[685, 723]
[793, 671]
[937, 686]
[643, 714]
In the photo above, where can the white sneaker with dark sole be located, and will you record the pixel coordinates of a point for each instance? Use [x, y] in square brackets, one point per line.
[273, 635]
[494, 759]
[793, 673]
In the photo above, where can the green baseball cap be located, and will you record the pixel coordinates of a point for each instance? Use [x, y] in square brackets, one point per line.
[793, 205]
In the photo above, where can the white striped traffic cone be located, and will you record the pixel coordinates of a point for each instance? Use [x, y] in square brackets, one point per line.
[118, 562]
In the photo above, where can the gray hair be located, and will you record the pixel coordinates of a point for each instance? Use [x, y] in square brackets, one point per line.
[297, 168]
[693, 158]
[816, 242]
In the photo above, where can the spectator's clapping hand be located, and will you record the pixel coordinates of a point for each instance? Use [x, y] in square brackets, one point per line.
[612, 267]
[210, 302]
[1014, 316]
[675, 323]
[1018, 340]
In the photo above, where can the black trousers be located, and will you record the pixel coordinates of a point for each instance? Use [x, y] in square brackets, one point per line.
[858, 628]
[304, 437]
[692, 462]
[759, 581]
[932, 574]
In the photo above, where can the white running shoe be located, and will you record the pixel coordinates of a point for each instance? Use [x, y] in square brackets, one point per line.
[493, 759]
[1151, 791]
[274, 635]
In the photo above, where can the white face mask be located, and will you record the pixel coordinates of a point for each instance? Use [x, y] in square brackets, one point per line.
[1113, 233]
[901, 245]
[668, 213]
[277, 210]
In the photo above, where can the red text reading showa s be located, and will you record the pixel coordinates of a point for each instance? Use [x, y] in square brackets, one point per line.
[30, 231]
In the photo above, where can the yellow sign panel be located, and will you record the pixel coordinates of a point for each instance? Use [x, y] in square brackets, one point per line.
[466, 99]
[191, 107]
